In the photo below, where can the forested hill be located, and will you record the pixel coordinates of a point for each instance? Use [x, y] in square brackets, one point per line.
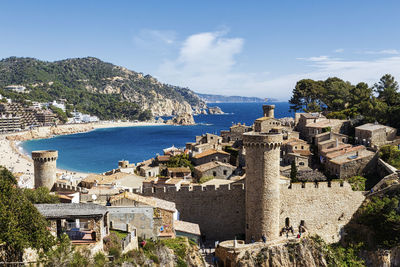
[229, 99]
[89, 83]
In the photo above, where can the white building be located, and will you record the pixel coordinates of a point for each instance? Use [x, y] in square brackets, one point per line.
[58, 105]
[16, 88]
[79, 117]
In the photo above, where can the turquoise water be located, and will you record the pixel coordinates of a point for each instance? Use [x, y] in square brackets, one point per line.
[100, 150]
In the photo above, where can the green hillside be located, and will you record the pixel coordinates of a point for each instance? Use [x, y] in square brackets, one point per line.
[91, 86]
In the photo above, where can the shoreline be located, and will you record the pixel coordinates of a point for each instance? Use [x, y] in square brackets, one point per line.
[14, 159]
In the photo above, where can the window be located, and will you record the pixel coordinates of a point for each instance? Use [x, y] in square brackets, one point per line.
[214, 174]
[149, 173]
[301, 163]
[287, 222]
[225, 172]
[302, 147]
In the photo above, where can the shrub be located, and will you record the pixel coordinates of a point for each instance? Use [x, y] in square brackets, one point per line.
[99, 259]
[205, 179]
[357, 183]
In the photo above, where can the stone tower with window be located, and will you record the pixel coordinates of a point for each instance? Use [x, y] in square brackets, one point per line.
[262, 184]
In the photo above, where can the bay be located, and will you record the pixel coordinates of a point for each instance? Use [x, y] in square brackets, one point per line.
[100, 150]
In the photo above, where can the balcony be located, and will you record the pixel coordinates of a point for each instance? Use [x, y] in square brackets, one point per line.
[79, 233]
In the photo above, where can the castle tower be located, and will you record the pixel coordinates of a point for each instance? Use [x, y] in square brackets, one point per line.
[269, 110]
[45, 167]
[262, 184]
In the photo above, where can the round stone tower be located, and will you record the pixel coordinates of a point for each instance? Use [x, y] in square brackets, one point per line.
[269, 110]
[262, 184]
[45, 167]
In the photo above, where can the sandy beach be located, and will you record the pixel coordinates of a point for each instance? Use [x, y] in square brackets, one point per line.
[13, 158]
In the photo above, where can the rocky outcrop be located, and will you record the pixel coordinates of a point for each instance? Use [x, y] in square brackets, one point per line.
[382, 258]
[304, 253]
[182, 119]
[162, 255]
[215, 110]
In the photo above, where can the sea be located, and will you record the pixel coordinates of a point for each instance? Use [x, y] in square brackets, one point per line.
[100, 150]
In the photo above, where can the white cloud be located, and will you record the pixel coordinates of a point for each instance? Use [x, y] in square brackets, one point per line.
[383, 52]
[151, 38]
[339, 50]
[206, 63]
[315, 59]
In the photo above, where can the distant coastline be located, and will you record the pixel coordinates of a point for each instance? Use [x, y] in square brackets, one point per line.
[209, 98]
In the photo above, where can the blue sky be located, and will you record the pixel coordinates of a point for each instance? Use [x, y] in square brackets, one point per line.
[250, 48]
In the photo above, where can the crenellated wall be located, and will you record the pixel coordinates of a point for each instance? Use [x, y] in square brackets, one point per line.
[324, 207]
[61, 187]
[220, 212]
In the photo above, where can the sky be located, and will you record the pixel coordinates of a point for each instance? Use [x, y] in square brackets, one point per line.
[246, 48]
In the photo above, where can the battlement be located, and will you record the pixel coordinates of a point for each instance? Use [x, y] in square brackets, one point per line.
[257, 139]
[67, 187]
[318, 185]
[44, 155]
[195, 188]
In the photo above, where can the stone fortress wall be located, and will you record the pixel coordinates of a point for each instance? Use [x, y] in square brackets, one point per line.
[324, 207]
[220, 212]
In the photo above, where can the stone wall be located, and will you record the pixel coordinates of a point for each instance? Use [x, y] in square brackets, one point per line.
[220, 212]
[324, 209]
[140, 218]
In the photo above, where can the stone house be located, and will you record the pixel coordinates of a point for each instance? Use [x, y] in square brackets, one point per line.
[205, 142]
[302, 119]
[151, 170]
[323, 152]
[235, 133]
[85, 224]
[297, 150]
[164, 212]
[373, 134]
[211, 155]
[325, 125]
[214, 169]
[162, 160]
[265, 124]
[179, 172]
[329, 140]
[349, 162]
